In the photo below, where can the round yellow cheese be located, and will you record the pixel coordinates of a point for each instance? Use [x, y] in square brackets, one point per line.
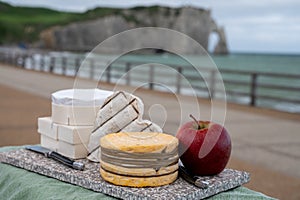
[138, 181]
[139, 159]
[138, 171]
[140, 142]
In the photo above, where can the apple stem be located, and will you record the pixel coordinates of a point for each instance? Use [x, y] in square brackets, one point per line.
[191, 116]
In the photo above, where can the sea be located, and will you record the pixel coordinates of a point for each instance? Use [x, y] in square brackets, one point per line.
[280, 64]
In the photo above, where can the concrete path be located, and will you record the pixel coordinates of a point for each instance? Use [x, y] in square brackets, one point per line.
[261, 137]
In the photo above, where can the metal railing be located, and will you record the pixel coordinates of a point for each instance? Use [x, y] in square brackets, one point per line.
[252, 85]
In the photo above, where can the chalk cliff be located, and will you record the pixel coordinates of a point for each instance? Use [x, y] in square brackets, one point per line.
[84, 36]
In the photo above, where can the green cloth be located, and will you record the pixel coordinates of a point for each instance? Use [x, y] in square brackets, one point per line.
[16, 183]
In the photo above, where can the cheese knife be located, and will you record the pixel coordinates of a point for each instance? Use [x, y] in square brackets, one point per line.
[195, 180]
[56, 156]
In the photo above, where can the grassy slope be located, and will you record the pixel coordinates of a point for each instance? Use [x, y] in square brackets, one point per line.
[23, 24]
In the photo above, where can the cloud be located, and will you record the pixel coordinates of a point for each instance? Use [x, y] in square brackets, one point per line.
[252, 25]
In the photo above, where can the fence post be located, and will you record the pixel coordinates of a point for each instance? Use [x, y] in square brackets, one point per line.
[108, 71]
[151, 76]
[92, 68]
[32, 62]
[14, 59]
[23, 63]
[127, 71]
[64, 65]
[212, 83]
[42, 62]
[178, 80]
[52, 64]
[77, 65]
[253, 89]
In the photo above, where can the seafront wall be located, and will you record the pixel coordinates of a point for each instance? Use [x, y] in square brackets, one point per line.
[253, 88]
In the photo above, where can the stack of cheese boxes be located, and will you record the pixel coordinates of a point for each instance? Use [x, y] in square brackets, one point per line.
[67, 131]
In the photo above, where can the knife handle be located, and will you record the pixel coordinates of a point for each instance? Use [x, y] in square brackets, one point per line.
[65, 160]
[195, 180]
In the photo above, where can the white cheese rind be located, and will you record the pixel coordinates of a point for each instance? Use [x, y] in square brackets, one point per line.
[47, 127]
[70, 141]
[74, 151]
[74, 115]
[49, 143]
[69, 134]
[74, 134]
[80, 97]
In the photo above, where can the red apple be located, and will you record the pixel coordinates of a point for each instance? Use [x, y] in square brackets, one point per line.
[204, 147]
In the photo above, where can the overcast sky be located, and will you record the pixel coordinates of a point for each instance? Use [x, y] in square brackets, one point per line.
[251, 26]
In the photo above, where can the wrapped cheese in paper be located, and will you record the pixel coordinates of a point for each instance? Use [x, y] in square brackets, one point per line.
[120, 112]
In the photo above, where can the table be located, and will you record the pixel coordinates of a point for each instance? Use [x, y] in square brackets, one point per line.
[16, 183]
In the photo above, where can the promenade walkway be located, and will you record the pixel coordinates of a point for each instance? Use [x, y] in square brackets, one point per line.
[265, 143]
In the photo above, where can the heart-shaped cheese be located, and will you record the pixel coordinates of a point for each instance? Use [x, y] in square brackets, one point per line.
[120, 112]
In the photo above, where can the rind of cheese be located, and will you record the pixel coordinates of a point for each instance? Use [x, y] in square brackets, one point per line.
[138, 181]
[74, 151]
[74, 115]
[114, 104]
[47, 127]
[140, 142]
[74, 134]
[138, 171]
[49, 143]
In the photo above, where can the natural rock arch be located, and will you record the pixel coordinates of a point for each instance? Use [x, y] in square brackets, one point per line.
[221, 46]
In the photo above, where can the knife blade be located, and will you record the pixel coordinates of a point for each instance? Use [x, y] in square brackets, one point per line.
[56, 156]
[192, 179]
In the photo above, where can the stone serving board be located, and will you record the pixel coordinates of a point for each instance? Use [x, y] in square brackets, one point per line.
[90, 178]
